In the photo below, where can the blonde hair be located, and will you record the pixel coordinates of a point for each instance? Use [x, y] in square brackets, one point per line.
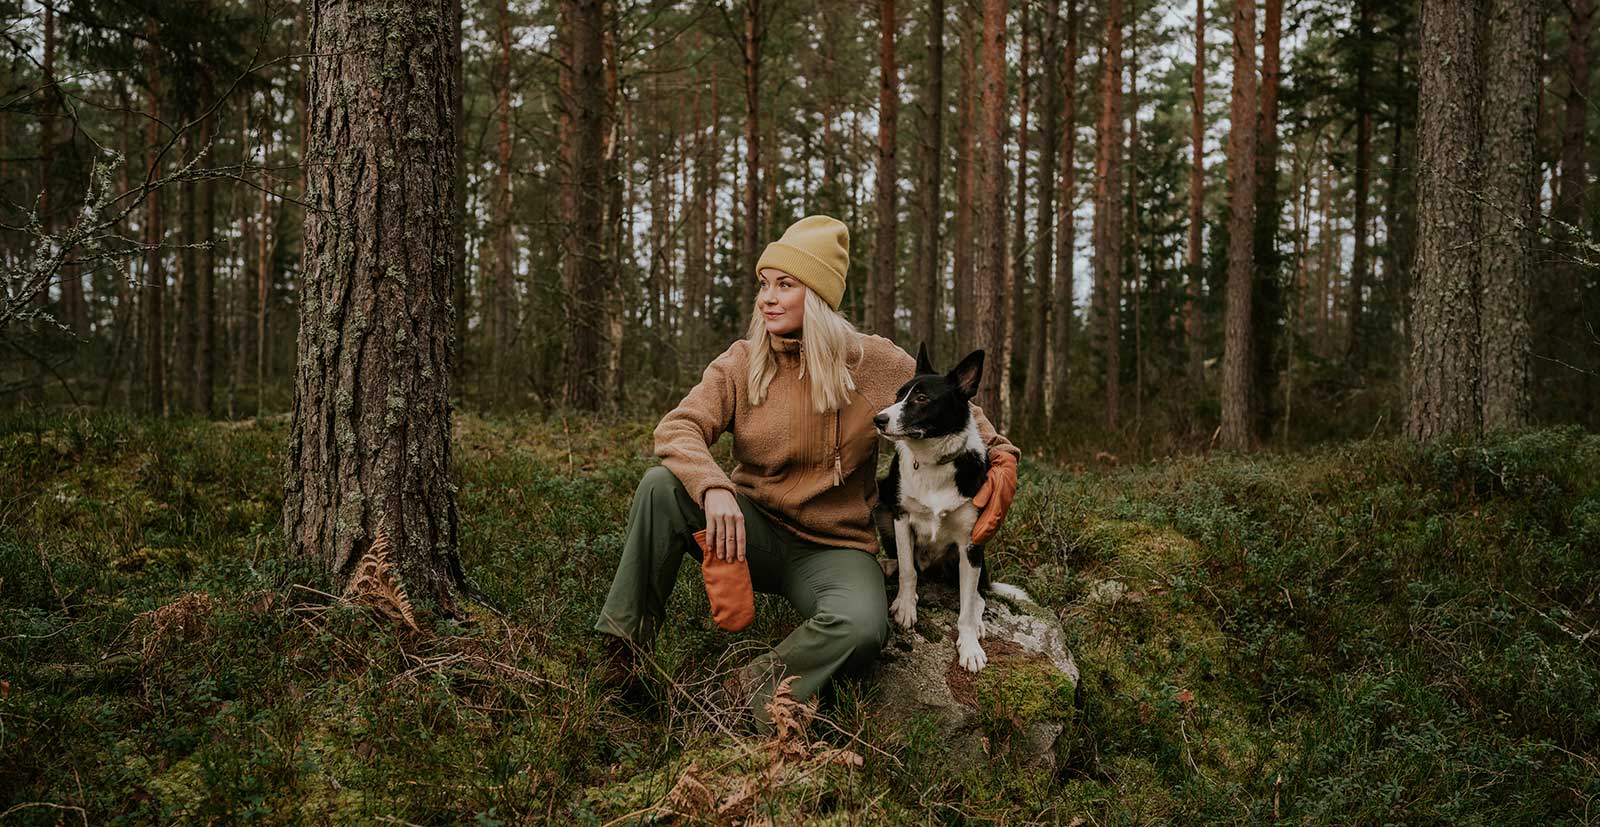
[826, 337]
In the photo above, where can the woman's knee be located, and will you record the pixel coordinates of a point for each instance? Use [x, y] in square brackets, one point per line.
[658, 482]
[861, 632]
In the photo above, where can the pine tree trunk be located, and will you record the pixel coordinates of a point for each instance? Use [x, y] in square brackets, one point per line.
[988, 304]
[1044, 250]
[583, 263]
[206, 289]
[613, 162]
[1108, 211]
[1132, 202]
[1566, 326]
[1572, 181]
[1354, 352]
[926, 271]
[888, 178]
[1056, 396]
[155, 278]
[1445, 390]
[966, 167]
[1016, 260]
[264, 261]
[460, 304]
[498, 278]
[188, 288]
[1266, 301]
[746, 278]
[1510, 122]
[1237, 432]
[1194, 252]
[47, 163]
[370, 437]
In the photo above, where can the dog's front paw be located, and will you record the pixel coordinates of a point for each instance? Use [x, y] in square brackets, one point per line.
[904, 609]
[971, 653]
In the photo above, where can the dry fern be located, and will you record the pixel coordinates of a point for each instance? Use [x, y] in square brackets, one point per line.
[377, 584]
[182, 619]
[731, 798]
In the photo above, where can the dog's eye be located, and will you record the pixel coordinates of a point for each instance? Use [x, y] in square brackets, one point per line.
[921, 397]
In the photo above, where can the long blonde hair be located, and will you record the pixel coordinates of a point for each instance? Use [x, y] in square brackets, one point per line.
[826, 338]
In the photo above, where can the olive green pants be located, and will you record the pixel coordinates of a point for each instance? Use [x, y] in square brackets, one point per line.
[839, 591]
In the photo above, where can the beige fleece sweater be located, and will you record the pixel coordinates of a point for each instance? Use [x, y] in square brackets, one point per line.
[785, 450]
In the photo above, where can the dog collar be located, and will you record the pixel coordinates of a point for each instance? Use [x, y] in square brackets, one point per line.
[944, 460]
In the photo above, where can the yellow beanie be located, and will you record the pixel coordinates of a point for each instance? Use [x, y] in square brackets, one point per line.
[816, 251]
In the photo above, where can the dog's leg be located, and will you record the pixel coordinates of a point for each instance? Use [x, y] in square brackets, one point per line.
[904, 607]
[969, 625]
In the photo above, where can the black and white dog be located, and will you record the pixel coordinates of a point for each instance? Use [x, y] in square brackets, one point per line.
[925, 511]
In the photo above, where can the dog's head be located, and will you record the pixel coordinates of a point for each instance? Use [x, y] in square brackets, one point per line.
[932, 404]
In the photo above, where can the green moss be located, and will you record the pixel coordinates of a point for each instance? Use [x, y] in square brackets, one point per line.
[1023, 691]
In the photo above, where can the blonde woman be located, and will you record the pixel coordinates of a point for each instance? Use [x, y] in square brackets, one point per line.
[798, 393]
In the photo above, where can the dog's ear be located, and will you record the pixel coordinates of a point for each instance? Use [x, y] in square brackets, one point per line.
[924, 364]
[967, 374]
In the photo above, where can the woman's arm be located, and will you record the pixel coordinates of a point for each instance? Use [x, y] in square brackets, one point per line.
[685, 435]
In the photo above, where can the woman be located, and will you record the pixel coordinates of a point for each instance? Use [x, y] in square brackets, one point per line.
[798, 393]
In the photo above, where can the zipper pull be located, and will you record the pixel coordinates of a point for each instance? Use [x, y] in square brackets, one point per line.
[838, 469]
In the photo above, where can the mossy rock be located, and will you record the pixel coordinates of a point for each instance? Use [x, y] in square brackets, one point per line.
[1018, 704]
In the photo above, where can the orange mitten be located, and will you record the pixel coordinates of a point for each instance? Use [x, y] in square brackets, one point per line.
[733, 598]
[994, 498]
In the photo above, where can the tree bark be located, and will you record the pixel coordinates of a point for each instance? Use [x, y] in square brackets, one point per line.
[1354, 352]
[1572, 182]
[460, 303]
[1132, 202]
[1108, 210]
[1056, 397]
[498, 298]
[188, 330]
[1510, 183]
[370, 439]
[989, 305]
[1266, 302]
[1044, 250]
[1445, 392]
[752, 154]
[1566, 333]
[155, 279]
[206, 289]
[1016, 260]
[966, 166]
[926, 271]
[1194, 252]
[888, 231]
[1237, 432]
[264, 259]
[584, 270]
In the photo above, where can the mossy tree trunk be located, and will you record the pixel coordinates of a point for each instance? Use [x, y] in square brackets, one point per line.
[369, 450]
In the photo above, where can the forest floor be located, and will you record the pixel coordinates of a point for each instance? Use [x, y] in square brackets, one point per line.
[1371, 633]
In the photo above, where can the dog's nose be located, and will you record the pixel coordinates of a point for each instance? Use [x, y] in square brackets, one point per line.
[881, 421]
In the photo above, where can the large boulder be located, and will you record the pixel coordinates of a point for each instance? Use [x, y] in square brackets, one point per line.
[1018, 705]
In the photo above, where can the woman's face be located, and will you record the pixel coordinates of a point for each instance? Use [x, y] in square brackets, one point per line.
[781, 299]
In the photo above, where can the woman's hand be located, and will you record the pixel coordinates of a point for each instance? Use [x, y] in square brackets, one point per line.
[724, 525]
[994, 498]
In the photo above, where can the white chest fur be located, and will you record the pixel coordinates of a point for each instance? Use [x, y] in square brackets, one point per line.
[938, 515]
